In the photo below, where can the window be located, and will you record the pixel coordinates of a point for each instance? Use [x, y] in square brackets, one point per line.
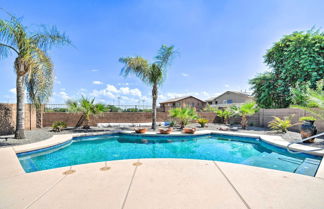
[229, 101]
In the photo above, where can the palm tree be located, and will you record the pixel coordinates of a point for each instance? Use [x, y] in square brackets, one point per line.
[151, 74]
[31, 61]
[87, 107]
[184, 115]
[246, 110]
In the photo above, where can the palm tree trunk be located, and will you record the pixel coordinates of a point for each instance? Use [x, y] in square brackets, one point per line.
[154, 98]
[20, 119]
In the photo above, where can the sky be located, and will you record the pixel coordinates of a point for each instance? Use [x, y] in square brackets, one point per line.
[220, 44]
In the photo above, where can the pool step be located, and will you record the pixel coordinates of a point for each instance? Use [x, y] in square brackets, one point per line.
[274, 161]
[308, 167]
[28, 164]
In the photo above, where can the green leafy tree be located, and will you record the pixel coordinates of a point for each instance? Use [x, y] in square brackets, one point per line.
[297, 59]
[32, 64]
[87, 107]
[314, 101]
[183, 115]
[152, 74]
[264, 91]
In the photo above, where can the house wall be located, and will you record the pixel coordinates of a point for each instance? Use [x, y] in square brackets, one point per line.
[236, 98]
[187, 102]
[8, 118]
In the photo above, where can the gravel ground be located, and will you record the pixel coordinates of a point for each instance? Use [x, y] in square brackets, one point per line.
[45, 133]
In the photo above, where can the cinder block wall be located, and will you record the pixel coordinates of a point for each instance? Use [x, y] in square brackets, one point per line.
[261, 119]
[8, 118]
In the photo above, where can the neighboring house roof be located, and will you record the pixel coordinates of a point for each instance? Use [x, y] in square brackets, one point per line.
[180, 98]
[234, 92]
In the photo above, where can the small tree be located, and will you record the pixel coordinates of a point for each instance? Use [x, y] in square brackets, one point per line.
[246, 110]
[87, 107]
[225, 114]
[183, 115]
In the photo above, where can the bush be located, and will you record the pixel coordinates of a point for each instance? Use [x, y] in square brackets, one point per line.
[279, 124]
[58, 126]
[202, 122]
[307, 118]
[183, 115]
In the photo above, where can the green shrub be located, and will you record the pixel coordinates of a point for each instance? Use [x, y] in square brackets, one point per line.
[279, 124]
[183, 115]
[58, 126]
[312, 104]
[307, 118]
[202, 122]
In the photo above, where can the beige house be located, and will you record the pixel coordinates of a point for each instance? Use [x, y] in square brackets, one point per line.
[229, 98]
[186, 101]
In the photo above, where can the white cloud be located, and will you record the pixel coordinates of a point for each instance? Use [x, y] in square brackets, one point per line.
[122, 93]
[97, 82]
[111, 88]
[13, 90]
[64, 95]
[227, 86]
[184, 74]
[94, 70]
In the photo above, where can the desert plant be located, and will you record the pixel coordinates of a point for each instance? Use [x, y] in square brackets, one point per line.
[307, 118]
[87, 107]
[244, 111]
[279, 124]
[225, 114]
[58, 126]
[202, 122]
[183, 115]
[152, 74]
[209, 108]
[32, 65]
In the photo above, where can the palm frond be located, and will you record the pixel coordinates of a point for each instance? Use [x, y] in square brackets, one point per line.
[137, 66]
[49, 37]
[165, 56]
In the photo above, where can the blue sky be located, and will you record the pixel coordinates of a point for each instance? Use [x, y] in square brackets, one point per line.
[220, 43]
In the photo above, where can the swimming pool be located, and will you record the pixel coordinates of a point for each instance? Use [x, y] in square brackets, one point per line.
[234, 149]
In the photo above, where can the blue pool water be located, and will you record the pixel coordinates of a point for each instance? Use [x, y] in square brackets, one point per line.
[242, 150]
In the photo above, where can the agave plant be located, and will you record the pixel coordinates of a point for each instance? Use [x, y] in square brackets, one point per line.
[183, 115]
[87, 107]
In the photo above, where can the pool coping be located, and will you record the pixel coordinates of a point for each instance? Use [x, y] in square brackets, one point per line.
[278, 141]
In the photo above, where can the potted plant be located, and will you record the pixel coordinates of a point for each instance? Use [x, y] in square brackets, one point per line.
[308, 128]
[202, 122]
[140, 130]
[189, 130]
[165, 131]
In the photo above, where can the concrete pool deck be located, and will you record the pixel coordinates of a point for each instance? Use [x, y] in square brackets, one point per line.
[154, 183]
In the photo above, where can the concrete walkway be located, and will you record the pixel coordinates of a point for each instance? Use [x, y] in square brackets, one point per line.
[160, 183]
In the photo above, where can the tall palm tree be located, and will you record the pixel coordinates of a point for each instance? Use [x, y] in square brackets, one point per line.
[32, 59]
[152, 74]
